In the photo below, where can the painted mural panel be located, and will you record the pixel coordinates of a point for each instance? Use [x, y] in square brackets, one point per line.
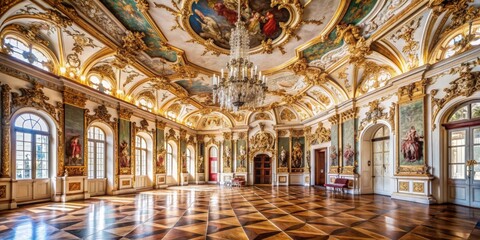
[124, 133]
[283, 152]
[161, 151]
[241, 155]
[183, 152]
[348, 142]
[201, 157]
[215, 19]
[411, 130]
[334, 147]
[227, 156]
[74, 136]
[298, 154]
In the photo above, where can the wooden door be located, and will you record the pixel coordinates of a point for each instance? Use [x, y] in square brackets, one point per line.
[213, 169]
[320, 167]
[262, 169]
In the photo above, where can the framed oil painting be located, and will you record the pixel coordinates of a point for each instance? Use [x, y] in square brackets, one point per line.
[411, 136]
[283, 152]
[333, 156]
[124, 141]
[241, 155]
[348, 148]
[74, 136]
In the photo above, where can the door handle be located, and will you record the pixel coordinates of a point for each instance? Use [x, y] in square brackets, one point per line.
[321, 170]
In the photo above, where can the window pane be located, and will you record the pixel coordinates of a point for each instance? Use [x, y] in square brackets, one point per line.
[23, 155]
[475, 110]
[457, 138]
[91, 159]
[460, 114]
[476, 170]
[41, 156]
[457, 171]
[457, 155]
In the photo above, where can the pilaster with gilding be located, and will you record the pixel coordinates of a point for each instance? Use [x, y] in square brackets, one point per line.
[6, 115]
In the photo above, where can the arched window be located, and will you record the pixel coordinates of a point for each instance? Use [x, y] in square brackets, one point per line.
[27, 53]
[140, 156]
[102, 85]
[96, 152]
[190, 162]
[462, 42]
[31, 147]
[145, 103]
[466, 112]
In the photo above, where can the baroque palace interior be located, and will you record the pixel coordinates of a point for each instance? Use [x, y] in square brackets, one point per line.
[109, 111]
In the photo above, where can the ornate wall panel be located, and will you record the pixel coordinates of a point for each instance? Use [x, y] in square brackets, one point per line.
[411, 135]
[161, 150]
[227, 156]
[283, 154]
[334, 151]
[241, 155]
[298, 154]
[124, 147]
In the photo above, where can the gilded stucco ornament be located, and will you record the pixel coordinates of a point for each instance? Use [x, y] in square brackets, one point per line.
[313, 75]
[287, 115]
[467, 84]
[407, 34]
[101, 114]
[51, 15]
[176, 11]
[460, 11]
[375, 113]
[80, 40]
[73, 97]
[262, 141]
[262, 116]
[32, 32]
[133, 42]
[142, 5]
[358, 47]
[321, 135]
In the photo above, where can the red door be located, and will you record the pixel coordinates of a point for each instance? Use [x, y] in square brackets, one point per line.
[213, 169]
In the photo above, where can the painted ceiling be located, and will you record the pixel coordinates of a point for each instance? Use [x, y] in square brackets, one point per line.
[316, 53]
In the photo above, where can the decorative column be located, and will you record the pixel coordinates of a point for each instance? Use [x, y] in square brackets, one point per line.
[5, 130]
[307, 139]
[201, 156]
[349, 147]
[7, 195]
[160, 174]
[334, 163]
[183, 158]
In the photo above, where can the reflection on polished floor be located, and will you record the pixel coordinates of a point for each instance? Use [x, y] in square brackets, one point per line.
[212, 212]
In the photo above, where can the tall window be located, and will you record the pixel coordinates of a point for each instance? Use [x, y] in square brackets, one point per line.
[96, 153]
[31, 147]
[26, 53]
[169, 160]
[190, 163]
[140, 156]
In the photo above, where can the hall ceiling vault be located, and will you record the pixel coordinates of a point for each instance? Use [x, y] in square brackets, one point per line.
[319, 53]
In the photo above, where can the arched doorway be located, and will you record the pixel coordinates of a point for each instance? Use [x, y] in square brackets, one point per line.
[463, 159]
[376, 165]
[381, 161]
[262, 172]
[213, 164]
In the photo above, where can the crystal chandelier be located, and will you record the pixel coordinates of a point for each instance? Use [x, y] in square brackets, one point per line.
[243, 85]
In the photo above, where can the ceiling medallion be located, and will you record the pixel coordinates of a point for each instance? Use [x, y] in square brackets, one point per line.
[244, 84]
[269, 23]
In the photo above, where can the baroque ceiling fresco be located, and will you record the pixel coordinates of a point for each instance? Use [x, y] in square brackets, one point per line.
[160, 55]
